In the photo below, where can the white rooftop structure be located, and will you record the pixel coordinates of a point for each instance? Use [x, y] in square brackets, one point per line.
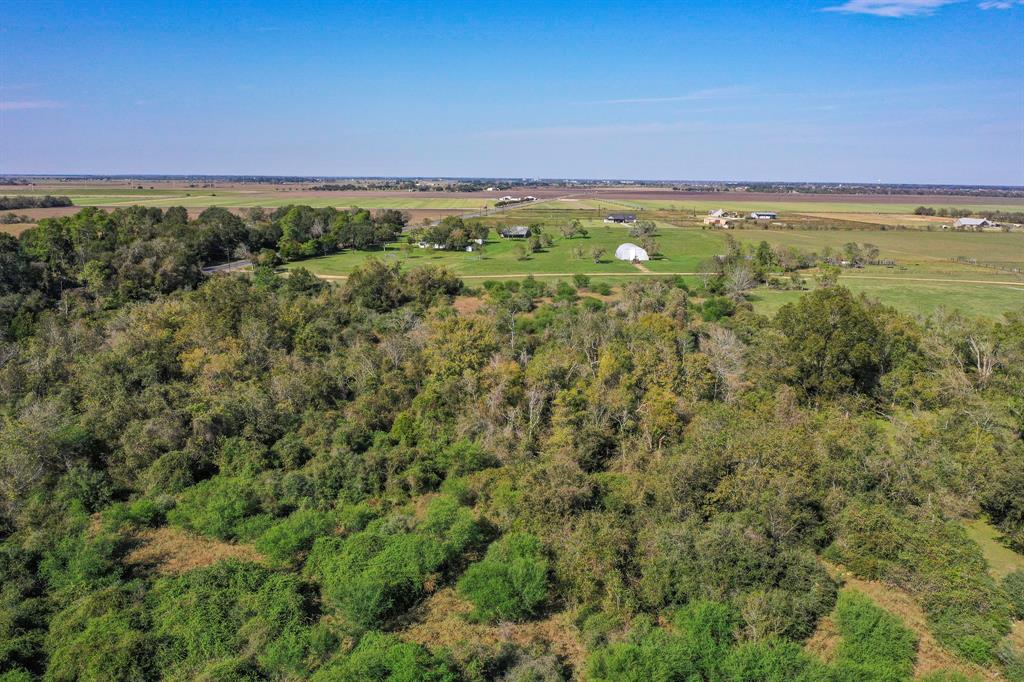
[631, 252]
[972, 222]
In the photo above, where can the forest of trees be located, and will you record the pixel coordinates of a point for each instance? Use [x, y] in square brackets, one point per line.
[662, 491]
[8, 203]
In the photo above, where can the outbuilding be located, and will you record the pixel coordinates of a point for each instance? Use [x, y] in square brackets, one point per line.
[972, 222]
[764, 215]
[515, 232]
[631, 252]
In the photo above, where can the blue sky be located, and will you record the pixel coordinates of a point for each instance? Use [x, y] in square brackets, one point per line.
[834, 90]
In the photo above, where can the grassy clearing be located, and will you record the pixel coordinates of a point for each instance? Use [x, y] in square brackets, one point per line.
[921, 282]
[904, 246]
[1001, 559]
[915, 298]
[684, 249]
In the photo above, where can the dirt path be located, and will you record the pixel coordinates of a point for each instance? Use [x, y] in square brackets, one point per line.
[931, 656]
[641, 267]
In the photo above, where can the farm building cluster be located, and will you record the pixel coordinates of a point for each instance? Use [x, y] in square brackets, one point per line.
[726, 219]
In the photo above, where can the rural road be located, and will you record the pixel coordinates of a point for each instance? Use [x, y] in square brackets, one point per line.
[228, 267]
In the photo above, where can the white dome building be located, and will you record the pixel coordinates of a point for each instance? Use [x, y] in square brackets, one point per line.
[631, 252]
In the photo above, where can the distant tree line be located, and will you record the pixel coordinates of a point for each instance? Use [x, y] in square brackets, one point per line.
[27, 201]
[995, 216]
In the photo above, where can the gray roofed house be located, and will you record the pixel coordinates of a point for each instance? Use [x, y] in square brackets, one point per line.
[972, 222]
[621, 218]
[515, 232]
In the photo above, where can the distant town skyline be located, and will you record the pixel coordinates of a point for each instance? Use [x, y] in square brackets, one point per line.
[913, 91]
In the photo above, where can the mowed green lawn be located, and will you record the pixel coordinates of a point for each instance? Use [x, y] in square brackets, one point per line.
[684, 251]
[920, 283]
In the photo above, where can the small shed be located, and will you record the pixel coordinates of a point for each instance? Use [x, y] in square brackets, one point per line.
[631, 252]
[515, 232]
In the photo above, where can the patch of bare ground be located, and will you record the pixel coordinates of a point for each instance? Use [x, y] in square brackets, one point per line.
[14, 229]
[51, 212]
[467, 305]
[931, 656]
[170, 551]
[1016, 636]
[825, 639]
[440, 621]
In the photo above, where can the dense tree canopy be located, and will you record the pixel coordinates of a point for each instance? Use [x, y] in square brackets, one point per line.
[270, 477]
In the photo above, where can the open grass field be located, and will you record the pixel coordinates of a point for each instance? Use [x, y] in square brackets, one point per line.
[685, 251]
[925, 276]
[922, 281]
[915, 298]
[1001, 559]
[904, 246]
[891, 219]
[241, 194]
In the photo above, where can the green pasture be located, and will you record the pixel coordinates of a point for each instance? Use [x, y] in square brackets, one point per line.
[914, 298]
[921, 281]
[684, 251]
[914, 246]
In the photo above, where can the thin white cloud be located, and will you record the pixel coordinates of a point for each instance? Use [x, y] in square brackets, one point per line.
[20, 105]
[697, 95]
[911, 8]
[891, 8]
[591, 130]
